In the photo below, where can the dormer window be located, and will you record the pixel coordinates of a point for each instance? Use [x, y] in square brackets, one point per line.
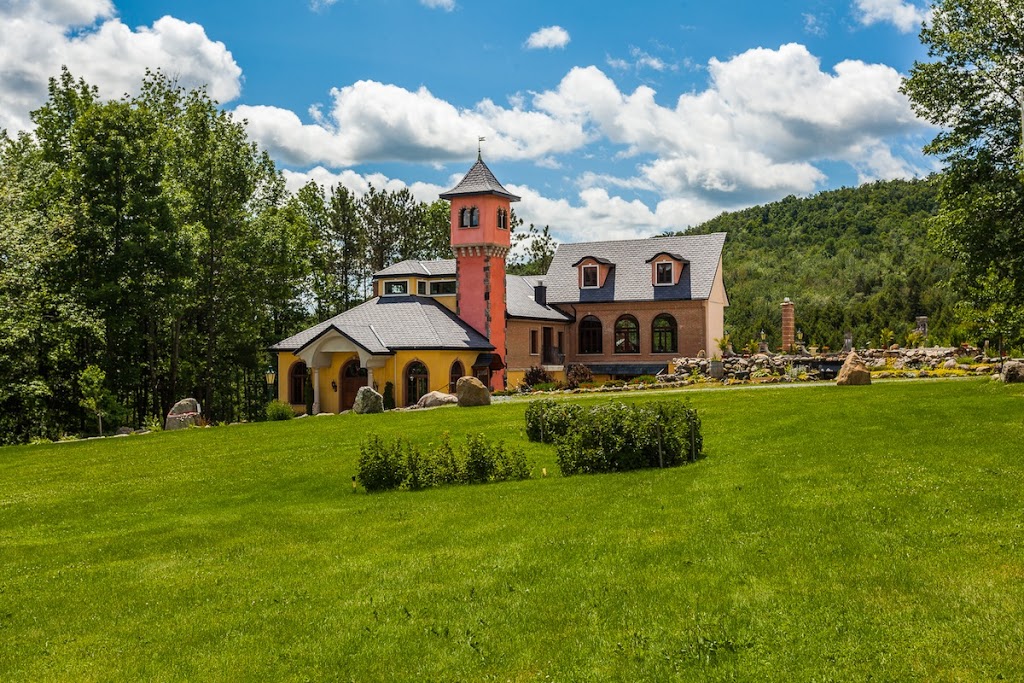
[593, 271]
[396, 288]
[469, 217]
[502, 219]
[663, 273]
[666, 268]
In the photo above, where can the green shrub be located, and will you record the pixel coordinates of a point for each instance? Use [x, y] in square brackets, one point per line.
[278, 410]
[389, 396]
[616, 437]
[547, 420]
[381, 465]
[547, 386]
[447, 469]
[400, 464]
[615, 383]
[577, 375]
[479, 458]
[535, 376]
[644, 379]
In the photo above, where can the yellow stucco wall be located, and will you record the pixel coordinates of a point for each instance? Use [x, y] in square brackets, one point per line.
[438, 365]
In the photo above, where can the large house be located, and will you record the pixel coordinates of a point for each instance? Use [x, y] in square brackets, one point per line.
[622, 308]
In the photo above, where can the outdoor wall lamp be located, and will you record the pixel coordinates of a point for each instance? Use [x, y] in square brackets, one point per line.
[334, 385]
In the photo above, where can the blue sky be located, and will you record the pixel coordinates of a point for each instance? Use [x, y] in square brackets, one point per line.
[610, 121]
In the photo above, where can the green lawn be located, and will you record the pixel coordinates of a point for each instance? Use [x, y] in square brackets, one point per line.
[832, 533]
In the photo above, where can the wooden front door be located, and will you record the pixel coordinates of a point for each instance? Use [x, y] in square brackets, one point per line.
[352, 378]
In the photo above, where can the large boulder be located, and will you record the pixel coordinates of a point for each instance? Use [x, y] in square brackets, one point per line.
[368, 401]
[184, 413]
[1013, 371]
[472, 392]
[435, 399]
[854, 372]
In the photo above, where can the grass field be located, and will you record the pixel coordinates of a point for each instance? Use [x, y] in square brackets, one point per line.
[858, 533]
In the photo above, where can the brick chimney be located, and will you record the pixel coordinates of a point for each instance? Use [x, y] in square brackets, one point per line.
[788, 327]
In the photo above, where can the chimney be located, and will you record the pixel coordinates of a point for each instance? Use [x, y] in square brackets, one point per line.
[787, 325]
[540, 293]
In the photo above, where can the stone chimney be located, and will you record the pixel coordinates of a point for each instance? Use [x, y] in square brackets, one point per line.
[788, 327]
[540, 293]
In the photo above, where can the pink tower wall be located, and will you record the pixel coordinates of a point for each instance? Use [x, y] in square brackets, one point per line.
[480, 266]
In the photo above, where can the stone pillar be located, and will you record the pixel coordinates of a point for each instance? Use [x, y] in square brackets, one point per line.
[788, 327]
[316, 391]
[369, 377]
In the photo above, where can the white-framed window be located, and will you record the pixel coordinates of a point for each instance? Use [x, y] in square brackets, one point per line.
[663, 273]
[442, 287]
[591, 277]
[396, 287]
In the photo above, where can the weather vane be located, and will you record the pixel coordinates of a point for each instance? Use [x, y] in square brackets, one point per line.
[479, 140]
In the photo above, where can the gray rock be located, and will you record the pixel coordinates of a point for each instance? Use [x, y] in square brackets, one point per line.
[124, 431]
[950, 364]
[472, 392]
[853, 372]
[435, 399]
[184, 413]
[368, 401]
[1013, 371]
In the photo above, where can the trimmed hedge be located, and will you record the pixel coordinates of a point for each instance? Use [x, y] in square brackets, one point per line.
[616, 436]
[386, 465]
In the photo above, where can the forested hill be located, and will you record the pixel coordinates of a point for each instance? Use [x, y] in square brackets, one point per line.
[854, 259]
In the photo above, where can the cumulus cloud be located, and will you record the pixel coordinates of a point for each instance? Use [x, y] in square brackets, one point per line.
[548, 38]
[760, 130]
[372, 121]
[38, 37]
[905, 16]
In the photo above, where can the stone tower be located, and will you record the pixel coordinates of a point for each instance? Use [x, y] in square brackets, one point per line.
[480, 221]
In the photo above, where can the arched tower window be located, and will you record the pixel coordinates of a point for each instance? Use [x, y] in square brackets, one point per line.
[469, 217]
[474, 217]
[664, 338]
[297, 383]
[502, 219]
[590, 335]
[627, 335]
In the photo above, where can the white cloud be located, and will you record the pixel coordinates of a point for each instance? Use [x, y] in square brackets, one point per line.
[37, 38]
[641, 60]
[371, 121]
[548, 38]
[446, 5]
[814, 25]
[905, 16]
[759, 131]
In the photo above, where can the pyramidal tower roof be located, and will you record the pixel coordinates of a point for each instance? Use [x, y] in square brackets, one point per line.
[479, 180]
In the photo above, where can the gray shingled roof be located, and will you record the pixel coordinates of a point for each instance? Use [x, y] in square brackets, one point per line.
[519, 301]
[630, 279]
[386, 324]
[439, 267]
[479, 180]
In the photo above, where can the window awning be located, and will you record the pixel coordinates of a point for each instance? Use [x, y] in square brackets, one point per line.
[488, 360]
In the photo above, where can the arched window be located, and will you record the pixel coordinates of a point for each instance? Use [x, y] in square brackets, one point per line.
[474, 217]
[458, 370]
[590, 335]
[297, 383]
[469, 217]
[502, 219]
[663, 334]
[417, 382]
[627, 335]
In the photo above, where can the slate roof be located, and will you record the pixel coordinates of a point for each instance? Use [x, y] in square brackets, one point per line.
[386, 324]
[439, 267]
[479, 180]
[630, 278]
[519, 301]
